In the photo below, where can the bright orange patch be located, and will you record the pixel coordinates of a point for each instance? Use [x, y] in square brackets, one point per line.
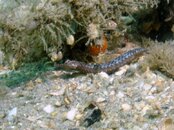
[94, 50]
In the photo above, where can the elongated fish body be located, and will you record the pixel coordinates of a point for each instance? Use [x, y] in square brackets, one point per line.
[109, 67]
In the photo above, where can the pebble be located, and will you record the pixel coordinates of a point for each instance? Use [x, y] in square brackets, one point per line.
[153, 90]
[147, 87]
[104, 75]
[136, 128]
[38, 80]
[71, 114]
[140, 105]
[150, 75]
[122, 70]
[145, 110]
[48, 109]
[150, 99]
[100, 99]
[120, 95]
[2, 115]
[78, 116]
[58, 92]
[126, 107]
[112, 93]
[12, 114]
[58, 104]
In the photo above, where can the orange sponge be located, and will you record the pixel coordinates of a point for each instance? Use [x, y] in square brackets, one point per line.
[94, 50]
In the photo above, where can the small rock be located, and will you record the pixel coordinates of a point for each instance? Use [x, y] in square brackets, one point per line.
[30, 85]
[146, 109]
[48, 109]
[126, 107]
[120, 95]
[100, 99]
[58, 104]
[42, 124]
[2, 115]
[136, 128]
[112, 93]
[33, 118]
[71, 114]
[134, 66]
[139, 105]
[122, 70]
[58, 92]
[79, 116]
[147, 87]
[154, 90]
[54, 114]
[149, 74]
[131, 70]
[38, 80]
[150, 99]
[103, 75]
[12, 114]
[159, 85]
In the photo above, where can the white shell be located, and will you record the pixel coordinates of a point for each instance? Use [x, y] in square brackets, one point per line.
[56, 56]
[70, 40]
